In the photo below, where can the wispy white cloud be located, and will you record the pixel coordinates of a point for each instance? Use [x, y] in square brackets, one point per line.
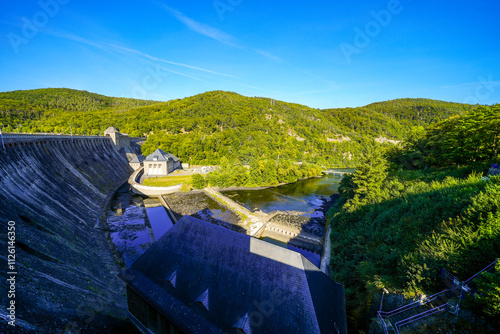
[121, 48]
[142, 55]
[482, 81]
[268, 55]
[172, 71]
[202, 28]
[72, 37]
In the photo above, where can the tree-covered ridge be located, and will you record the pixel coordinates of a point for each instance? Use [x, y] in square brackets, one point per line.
[393, 118]
[397, 230]
[420, 111]
[204, 128]
[46, 110]
[64, 99]
[207, 127]
[474, 136]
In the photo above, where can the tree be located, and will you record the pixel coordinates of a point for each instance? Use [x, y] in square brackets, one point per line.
[199, 181]
[371, 174]
[489, 285]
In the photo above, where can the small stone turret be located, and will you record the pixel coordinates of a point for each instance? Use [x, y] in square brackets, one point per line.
[121, 140]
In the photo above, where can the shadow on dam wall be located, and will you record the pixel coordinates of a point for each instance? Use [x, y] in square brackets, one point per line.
[55, 192]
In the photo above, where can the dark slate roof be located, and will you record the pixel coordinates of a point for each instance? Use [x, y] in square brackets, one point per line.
[159, 154]
[138, 159]
[246, 283]
[173, 157]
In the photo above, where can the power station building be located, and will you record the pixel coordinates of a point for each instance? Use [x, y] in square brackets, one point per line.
[204, 278]
[160, 163]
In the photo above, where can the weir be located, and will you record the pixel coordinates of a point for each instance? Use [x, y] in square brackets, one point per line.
[259, 225]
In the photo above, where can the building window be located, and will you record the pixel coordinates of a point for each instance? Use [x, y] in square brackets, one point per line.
[152, 318]
[137, 306]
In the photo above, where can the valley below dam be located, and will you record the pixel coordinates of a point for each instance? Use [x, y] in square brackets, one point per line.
[136, 222]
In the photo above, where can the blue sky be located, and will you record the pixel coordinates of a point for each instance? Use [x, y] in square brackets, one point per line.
[322, 54]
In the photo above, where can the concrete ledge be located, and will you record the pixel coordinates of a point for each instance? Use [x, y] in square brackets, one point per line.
[141, 189]
[139, 325]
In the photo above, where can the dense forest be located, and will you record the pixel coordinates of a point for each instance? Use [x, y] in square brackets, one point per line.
[408, 212]
[205, 128]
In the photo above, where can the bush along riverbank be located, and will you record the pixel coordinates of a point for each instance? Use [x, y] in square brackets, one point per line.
[262, 173]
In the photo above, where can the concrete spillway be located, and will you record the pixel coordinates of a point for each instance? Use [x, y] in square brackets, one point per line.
[55, 192]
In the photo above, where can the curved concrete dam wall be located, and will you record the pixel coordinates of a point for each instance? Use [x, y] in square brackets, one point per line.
[56, 191]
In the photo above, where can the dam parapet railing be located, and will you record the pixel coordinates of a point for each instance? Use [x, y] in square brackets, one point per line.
[149, 191]
[19, 138]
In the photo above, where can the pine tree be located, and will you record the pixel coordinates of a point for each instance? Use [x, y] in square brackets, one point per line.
[371, 174]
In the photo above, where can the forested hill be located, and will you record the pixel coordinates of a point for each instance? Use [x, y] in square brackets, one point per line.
[206, 127]
[27, 107]
[409, 211]
[393, 118]
[63, 99]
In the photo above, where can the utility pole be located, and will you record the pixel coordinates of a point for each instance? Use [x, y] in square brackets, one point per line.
[71, 131]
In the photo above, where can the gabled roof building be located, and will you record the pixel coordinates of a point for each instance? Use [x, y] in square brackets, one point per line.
[160, 163]
[203, 278]
[137, 162]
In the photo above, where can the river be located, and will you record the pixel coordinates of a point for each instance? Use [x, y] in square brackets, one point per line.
[304, 195]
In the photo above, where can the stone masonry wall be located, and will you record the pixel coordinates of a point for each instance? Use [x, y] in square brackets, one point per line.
[55, 191]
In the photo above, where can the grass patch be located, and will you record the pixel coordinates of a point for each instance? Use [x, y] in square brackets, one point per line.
[168, 181]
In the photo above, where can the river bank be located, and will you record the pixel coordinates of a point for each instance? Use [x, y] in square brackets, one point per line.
[264, 187]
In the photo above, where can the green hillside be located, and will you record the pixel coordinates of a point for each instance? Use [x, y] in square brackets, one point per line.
[204, 128]
[396, 228]
[51, 109]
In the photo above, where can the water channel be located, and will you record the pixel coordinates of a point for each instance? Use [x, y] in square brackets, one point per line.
[135, 222]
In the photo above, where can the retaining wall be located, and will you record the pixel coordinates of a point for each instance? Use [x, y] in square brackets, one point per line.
[149, 191]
